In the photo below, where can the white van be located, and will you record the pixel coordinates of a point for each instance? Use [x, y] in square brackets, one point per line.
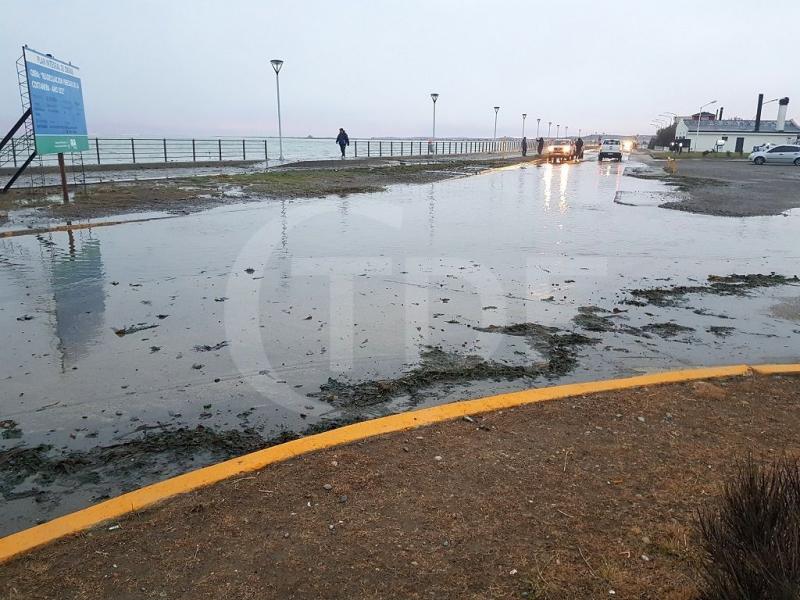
[610, 149]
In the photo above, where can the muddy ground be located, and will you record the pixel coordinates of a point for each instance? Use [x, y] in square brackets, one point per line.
[45, 473]
[728, 188]
[190, 194]
[587, 497]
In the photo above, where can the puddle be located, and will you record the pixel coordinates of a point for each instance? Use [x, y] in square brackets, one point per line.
[270, 319]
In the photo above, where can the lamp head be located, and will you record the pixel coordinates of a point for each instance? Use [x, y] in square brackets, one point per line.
[276, 64]
[496, 108]
[434, 97]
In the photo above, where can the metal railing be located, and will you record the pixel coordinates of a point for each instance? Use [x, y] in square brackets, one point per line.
[135, 151]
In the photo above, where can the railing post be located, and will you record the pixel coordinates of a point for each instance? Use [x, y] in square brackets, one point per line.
[14, 151]
[194, 152]
[367, 148]
[266, 157]
[355, 149]
[380, 148]
[219, 147]
[391, 148]
[244, 152]
[133, 151]
[165, 148]
[97, 149]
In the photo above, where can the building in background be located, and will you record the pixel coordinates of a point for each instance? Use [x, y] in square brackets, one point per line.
[736, 135]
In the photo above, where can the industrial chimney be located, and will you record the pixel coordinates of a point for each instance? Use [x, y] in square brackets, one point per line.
[758, 112]
[783, 103]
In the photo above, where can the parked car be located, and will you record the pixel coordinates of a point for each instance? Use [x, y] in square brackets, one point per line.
[561, 150]
[780, 155]
[610, 149]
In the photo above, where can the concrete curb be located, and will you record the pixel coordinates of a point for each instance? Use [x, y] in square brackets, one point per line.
[23, 541]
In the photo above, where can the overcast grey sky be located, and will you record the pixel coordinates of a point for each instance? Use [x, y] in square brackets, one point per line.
[199, 67]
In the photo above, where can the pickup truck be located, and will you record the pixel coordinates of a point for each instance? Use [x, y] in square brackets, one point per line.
[610, 149]
[561, 150]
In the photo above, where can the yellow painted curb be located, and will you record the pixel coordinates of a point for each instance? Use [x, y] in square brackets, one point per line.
[776, 369]
[28, 539]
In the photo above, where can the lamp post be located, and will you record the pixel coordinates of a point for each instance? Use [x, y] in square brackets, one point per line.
[566, 131]
[276, 65]
[699, 117]
[434, 97]
[549, 125]
[558, 130]
[537, 127]
[524, 116]
[579, 132]
[496, 110]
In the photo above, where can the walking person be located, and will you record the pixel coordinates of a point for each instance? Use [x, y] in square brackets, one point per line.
[540, 146]
[342, 140]
[579, 147]
[524, 146]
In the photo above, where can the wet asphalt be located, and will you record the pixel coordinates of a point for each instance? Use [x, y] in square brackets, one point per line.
[233, 318]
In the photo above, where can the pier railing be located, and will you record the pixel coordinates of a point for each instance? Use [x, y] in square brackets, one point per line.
[121, 151]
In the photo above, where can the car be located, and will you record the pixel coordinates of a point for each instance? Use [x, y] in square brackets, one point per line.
[610, 149]
[560, 150]
[786, 154]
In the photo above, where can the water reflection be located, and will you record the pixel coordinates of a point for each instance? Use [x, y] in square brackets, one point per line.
[547, 179]
[77, 285]
[563, 205]
[431, 213]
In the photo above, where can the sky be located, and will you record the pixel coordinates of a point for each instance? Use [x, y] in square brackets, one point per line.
[201, 68]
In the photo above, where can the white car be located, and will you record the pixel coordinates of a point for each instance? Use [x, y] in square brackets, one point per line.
[778, 155]
[561, 150]
[610, 149]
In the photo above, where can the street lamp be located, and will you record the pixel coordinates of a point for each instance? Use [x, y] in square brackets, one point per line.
[558, 130]
[699, 117]
[549, 125]
[524, 116]
[566, 131]
[496, 110]
[276, 65]
[537, 127]
[434, 97]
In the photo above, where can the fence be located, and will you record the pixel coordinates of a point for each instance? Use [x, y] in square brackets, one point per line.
[124, 151]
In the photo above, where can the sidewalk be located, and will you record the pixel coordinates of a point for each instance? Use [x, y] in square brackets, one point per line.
[571, 498]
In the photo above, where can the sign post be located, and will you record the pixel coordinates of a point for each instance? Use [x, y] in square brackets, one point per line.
[56, 96]
[63, 172]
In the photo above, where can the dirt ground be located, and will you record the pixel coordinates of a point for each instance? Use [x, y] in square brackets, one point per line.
[298, 180]
[575, 498]
[731, 188]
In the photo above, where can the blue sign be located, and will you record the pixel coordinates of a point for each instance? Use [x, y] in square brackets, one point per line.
[56, 95]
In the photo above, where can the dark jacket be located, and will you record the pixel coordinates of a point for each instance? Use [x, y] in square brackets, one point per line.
[342, 139]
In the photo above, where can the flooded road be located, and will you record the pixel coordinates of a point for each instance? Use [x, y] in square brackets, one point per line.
[261, 320]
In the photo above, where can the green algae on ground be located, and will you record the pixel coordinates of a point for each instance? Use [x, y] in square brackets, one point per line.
[666, 330]
[439, 366]
[42, 466]
[728, 285]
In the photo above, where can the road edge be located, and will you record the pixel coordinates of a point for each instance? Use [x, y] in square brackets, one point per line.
[23, 541]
